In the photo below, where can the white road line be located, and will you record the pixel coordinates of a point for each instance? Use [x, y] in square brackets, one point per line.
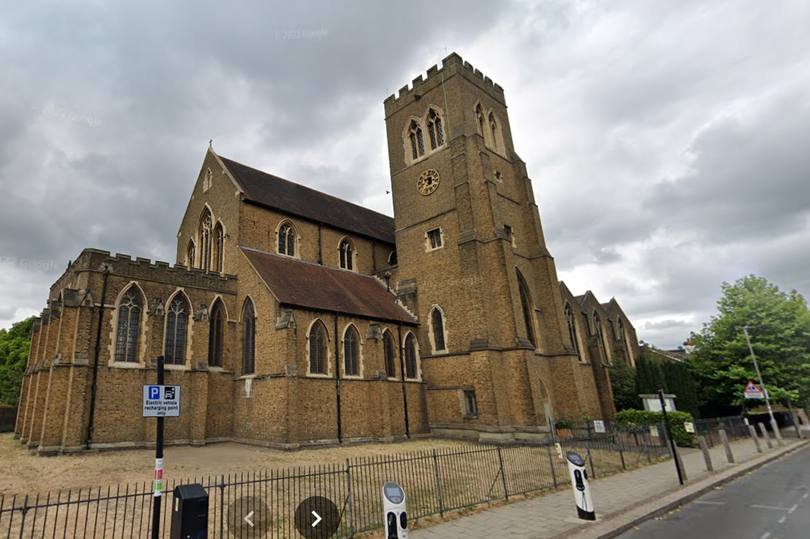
[793, 509]
[710, 503]
[782, 520]
[769, 507]
[766, 535]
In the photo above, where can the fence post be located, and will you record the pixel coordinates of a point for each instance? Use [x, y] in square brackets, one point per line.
[621, 453]
[551, 463]
[503, 474]
[777, 433]
[706, 455]
[645, 436]
[349, 497]
[590, 459]
[764, 432]
[729, 454]
[753, 433]
[438, 482]
[222, 506]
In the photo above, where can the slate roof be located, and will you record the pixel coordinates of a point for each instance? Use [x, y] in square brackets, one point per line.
[321, 288]
[289, 197]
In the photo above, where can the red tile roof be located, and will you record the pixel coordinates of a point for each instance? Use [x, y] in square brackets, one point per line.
[321, 288]
[289, 197]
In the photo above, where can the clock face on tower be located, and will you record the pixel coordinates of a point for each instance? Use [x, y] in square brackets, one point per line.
[428, 182]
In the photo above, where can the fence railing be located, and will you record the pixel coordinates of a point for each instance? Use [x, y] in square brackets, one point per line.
[435, 481]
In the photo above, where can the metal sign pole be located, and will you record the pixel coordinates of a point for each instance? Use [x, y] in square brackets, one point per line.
[669, 435]
[158, 460]
[759, 377]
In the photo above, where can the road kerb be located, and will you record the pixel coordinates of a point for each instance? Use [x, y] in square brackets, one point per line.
[620, 522]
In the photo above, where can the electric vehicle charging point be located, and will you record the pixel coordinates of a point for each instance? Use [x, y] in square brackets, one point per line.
[396, 519]
[581, 487]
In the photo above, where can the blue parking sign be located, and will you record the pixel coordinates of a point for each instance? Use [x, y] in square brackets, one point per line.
[154, 392]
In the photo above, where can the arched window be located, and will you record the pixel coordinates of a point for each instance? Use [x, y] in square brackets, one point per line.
[174, 350]
[190, 254]
[206, 228]
[317, 348]
[215, 334]
[572, 329]
[479, 120]
[597, 328]
[286, 240]
[346, 255]
[493, 126]
[437, 324]
[218, 244]
[417, 141]
[392, 258]
[249, 338]
[526, 306]
[410, 356]
[351, 352]
[129, 323]
[631, 360]
[390, 354]
[435, 131]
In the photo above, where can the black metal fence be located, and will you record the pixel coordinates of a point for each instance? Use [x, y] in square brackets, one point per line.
[435, 482]
[735, 427]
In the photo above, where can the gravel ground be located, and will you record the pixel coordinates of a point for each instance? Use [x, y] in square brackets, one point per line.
[23, 472]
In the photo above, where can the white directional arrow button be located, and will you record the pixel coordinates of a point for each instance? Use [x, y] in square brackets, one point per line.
[247, 519]
[317, 519]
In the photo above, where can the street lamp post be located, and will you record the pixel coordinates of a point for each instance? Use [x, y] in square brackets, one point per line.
[759, 376]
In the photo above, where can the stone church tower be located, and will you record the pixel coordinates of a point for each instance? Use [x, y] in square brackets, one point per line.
[474, 268]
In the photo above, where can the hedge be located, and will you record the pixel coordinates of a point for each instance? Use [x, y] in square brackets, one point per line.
[676, 420]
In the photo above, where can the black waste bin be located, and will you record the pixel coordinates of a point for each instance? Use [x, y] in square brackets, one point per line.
[190, 512]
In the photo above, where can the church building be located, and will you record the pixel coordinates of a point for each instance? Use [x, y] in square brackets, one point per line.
[293, 318]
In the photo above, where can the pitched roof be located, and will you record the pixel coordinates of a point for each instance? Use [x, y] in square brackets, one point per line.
[321, 288]
[289, 197]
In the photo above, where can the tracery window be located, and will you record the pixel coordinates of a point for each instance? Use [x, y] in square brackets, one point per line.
[215, 335]
[410, 356]
[286, 240]
[572, 329]
[218, 244]
[190, 254]
[129, 319]
[351, 352]
[174, 350]
[479, 118]
[317, 349]
[417, 140]
[388, 349]
[597, 325]
[346, 255]
[526, 305]
[206, 227]
[435, 131]
[249, 338]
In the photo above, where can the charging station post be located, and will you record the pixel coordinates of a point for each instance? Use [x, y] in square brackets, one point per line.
[581, 487]
[396, 518]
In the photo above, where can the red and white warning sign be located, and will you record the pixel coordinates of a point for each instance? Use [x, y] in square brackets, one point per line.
[752, 391]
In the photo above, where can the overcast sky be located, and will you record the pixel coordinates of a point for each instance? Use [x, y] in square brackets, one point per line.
[668, 142]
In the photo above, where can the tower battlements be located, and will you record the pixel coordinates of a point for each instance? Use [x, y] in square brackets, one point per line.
[450, 64]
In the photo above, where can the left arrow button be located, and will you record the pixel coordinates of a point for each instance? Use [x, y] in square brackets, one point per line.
[247, 519]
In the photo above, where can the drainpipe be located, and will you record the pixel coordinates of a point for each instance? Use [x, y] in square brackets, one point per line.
[402, 379]
[94, 389]
[337, 380]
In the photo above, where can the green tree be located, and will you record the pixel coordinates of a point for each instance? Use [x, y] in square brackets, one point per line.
[14, 344]
[681, 383]
[650, 376]
[623, 382]
[780, 335]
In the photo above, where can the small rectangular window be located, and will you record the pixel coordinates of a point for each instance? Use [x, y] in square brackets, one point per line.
[510, 235]
[434, 238]
[470, 403]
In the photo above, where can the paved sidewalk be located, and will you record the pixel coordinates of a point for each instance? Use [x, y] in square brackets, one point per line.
[621, 500]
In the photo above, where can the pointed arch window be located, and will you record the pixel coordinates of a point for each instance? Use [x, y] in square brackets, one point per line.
[435, 130]
[219, 239]
[417, 140]
[388, 349]
[572, 329]
[249, 338]
[479, 120]
[206, 229]
[493, 126]
[437, 322]
[286, 240]
[351, 352]
[410, 356]
[526, 306]
[174, 349]
[597, 328]
[317, 349]
[129, 321]
[346, 255]
[190, 254]
[215, 335]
